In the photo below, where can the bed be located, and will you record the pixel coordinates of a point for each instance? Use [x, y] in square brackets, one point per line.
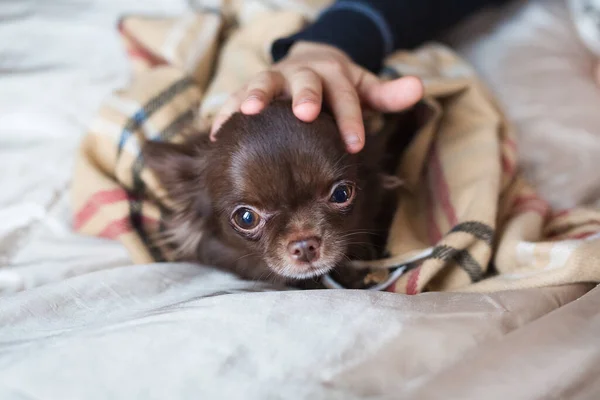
[78, 320]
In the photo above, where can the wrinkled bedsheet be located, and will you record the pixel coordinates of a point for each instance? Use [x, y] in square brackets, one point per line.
[184, 332]
[78, 321]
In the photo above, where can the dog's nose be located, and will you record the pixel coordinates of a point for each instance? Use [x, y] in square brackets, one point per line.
[305, 250]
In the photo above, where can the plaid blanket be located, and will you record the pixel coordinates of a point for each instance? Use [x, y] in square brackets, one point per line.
[468, 221]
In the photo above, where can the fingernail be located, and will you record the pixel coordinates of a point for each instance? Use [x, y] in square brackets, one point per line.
[251, 105]
[305, 100]
[353, 140]
[253, 98]
[353, 143]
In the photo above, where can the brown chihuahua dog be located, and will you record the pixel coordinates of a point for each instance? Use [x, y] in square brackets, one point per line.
[273, 197]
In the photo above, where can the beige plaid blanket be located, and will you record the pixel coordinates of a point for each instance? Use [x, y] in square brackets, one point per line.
[468, 221]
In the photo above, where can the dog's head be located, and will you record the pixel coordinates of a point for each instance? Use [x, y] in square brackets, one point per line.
[271, 185]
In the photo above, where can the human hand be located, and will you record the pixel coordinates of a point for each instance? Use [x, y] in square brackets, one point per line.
[312, 72]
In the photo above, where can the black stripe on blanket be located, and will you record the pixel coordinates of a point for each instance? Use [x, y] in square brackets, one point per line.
[462, 257]
[480, 230]
[143, 114]
[136, 204]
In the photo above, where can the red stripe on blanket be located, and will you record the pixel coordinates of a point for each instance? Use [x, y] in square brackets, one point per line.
[559, 230]
[392, 287]
[529, 199]
[95, 202]
[510, 143]
[562, 213]
[559, 237]
[582, 235]
[529, 203]
[118, 227]
[138, 51]
[507, 167]
[538, 209]
[133, 53]
[413, 279]
[441, 186]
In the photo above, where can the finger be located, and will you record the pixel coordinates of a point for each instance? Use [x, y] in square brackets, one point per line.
[390, 96]
[307, 94]
[341, 96]
[231, 106]
[261, 90]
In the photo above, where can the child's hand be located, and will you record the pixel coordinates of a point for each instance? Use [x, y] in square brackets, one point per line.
[312, 71]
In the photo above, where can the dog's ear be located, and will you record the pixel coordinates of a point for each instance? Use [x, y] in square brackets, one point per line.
[179, 167]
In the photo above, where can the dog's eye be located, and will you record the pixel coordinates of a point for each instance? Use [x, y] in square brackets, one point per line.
[342, 193]
[245, 218]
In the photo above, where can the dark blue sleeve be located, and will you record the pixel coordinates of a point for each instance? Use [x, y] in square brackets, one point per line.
[368, 30]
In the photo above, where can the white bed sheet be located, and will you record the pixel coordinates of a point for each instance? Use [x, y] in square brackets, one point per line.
[186, 332]
[58, 60]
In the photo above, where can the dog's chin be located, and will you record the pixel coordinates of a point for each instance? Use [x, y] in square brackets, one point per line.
[299, 272]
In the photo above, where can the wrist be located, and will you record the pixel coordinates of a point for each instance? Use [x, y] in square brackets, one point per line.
[303, 48]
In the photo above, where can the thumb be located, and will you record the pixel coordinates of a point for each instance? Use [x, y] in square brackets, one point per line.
[390, 96]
